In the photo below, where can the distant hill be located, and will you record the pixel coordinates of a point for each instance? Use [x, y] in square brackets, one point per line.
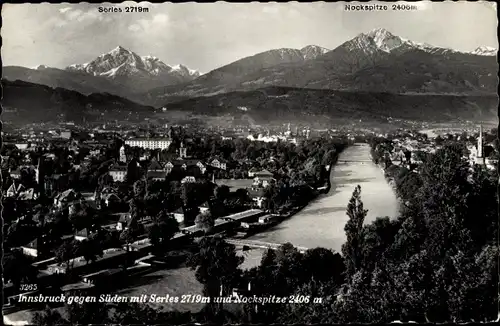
[71, 80]
[25, 102]
[284, 104]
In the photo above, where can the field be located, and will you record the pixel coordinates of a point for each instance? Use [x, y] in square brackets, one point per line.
[174, 282]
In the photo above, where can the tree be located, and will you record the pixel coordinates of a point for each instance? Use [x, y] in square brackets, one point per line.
[48, 317]
[140, 189]
[205, 221]
[351, 249]
[242, 195]
[129, 234]
[67, 251]
[104, 180]
[323, 265]
[377, 238]
[216, 264]
[329, 157]
[86, 313]
[82, 215]
[164, 228]
[133, 172]
[90, 250]
[221, 193]
[18, 269]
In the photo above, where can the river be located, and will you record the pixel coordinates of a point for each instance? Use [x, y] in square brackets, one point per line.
[321, 223]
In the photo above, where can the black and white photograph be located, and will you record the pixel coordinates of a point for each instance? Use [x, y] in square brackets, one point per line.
[249, 163]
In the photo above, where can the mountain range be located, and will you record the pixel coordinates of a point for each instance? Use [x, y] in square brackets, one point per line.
[377, 62]
[120, 71]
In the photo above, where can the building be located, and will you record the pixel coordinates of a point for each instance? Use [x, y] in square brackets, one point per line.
[205, 207]
[66, 134]
[182, 151]
[480, 153]
[15, 174]
[110, 199]
[123, 221]
[154, 165]
[32, 249]
[14, 190]
[188, 179]
[82, 234]
[149, 143]
[66, 197]
[157, 175]
[262, 178]
[252, 171]
[218, 163]
[257, 195]
[123, 157]
[27, 195]
[118, 173]
[179, 215]
[476, 153]
[22, 146]
[185, 164]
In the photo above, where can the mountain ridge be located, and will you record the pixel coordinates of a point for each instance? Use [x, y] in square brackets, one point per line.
[276, 103]
[376, 61]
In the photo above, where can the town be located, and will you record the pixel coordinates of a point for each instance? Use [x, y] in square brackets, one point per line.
[84, 207]
[263, 163]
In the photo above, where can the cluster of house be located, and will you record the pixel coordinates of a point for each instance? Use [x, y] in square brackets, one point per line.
[159, 170]
[287, 136]
[406, 152]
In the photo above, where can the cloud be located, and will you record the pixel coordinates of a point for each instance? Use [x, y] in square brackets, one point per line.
[134, 28]
[270, 9]
[155, 23]
[70, 14]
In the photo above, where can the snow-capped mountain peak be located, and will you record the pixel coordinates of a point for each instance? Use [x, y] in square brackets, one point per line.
[313, 51]
[121, 62]
[485, 50]
[380, 39]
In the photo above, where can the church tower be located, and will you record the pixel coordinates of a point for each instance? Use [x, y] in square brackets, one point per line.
[480, 154]
[288, 132]
[40, 177]
[183, 151]
[123, 157]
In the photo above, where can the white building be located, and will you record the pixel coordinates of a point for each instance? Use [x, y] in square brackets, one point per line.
[149, 143]
[118, 173]
[123, 157]
[476, 154]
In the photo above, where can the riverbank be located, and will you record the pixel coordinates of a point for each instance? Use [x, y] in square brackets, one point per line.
[321, 223]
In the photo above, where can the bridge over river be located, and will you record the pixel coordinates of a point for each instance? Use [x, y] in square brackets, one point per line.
[259, 244]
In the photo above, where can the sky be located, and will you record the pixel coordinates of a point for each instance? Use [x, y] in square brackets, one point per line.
[208, 36]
